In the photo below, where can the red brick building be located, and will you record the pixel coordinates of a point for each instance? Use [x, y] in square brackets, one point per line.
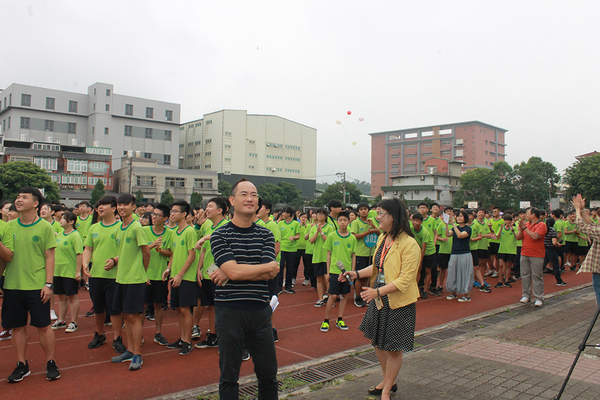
[404, 151]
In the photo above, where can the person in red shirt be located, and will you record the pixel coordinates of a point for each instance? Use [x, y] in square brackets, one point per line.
[533, 252]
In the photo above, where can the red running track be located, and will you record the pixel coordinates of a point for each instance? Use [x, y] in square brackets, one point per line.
[90, 374]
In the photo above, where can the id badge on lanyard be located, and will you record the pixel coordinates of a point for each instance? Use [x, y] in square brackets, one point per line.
[381, 277]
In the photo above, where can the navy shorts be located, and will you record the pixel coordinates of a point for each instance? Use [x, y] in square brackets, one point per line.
[66, 286]
[429, 261]
[102, 293]
[494, 247]
[18, 303]
[582, 250]
[129, 298]
[156, 292]
[362, 262]
[507, 257]
[184, 295]
[320, 269]
[336, 287]
[483, 254]
[475, 255]
[571, 247]
[207, 293]
[443, 260]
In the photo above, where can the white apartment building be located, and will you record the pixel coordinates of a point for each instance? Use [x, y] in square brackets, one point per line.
[98, 118]
[262, 148]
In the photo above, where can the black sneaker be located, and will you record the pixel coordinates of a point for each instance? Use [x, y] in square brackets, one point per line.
[160, 339]
[511, 280]
[186, 348]
[90, 313]
[210, 341]
[485, 289]
[506, 284]
[435, 292]
[52, 373]
[561, 283]
[275, 337]
[245, 355]
[150, 317]
[176, 344]
[118, 345]
[98, 341]
[499, 285]
[19, 373]
[423, 294]
[196, 332]
[290, 290]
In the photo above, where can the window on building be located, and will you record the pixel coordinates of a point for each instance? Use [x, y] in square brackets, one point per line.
[227, 146]
[77, 165]
[8, 120]
[24, 122]
[412, 155]
[128, 109]
[427, 154]
[227, 133]
[168, 115]
[72, 128]
[208, 141]
[128, 130]
[207, 166]
[46, 146]
[446, 152]
[74, 179]
[149, 112]
[207, 153]
[203, 183]
[427, 134]
[49, 125]
[459, 153]
[168, 135]
[396, 155]
[227, 159]
[395, 147]
[92, 180]
[427, 144]
[251, 141]
[411, 146]
[167, 159]
[97, 166]
[72, 106]
[145, 180]
[208, 122]
[148, 134]
[445, 143]
[26, 100]
[10, 99]
[147, 155]
[94, 107]
[50, 103]
[108, 92]
[396, 166]
[107, 107]
[106, 130]
[410, 135]
[174, 182]
[48, 164]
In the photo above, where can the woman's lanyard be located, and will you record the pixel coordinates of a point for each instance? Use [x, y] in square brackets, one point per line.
[386, 247]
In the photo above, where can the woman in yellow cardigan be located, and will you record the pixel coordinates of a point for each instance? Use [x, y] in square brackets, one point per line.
[390, 318]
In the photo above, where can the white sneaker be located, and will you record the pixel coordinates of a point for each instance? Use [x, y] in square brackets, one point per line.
[306, 282]
[488, 273]
[524, 299]
[539, 303]
[53, 315]
[72, 327]
[494, 274]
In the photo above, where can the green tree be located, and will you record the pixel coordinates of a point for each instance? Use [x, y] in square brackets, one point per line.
[335, 191]
[283, 192]
[224, 188]
[98, 192]
[378, 198]
[166, 197]
[584, 177]
[269, 192]
[18, 174]
[478, 185]
[504, 193]
[195, 199]
[139, 197]
[535, 181]
[363, 186]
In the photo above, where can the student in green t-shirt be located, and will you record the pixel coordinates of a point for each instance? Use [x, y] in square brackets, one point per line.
[159, 242]
[483, 253]
[507, 249]
[445, 243]
[47, 213]
[426, 241]
[318, 235]
[361, 228]
[494, 224]
[215, 212]
[571, 241]
[28, 248]
[100, 247]
[290, 233]
[183, 272]
[67, 272]
[130, 289]
[84, 220]
[476, 237]
[301, 252]
[341, 249]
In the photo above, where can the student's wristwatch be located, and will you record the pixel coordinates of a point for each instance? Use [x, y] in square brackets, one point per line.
[49, 285]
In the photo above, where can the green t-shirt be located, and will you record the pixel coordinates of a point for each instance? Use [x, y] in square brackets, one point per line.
[57, 228]
[423, 236]
[319, 253]
[582, 240]
[372, 214]
[158, 262]
[274, 228]
[496, 224]
[27, 269]
[287, 230]
[83, 226]
[358, 226]
[67, 249]
[102, 239]
[475, 230]
[302, 242]
[484, 228]
[341, 248]
[430, 223]
[181, 243]
[310, 247]
[508, 240]
[559, 228]
[208, 255]
[445, 247]
[131, 259]
[568, 226]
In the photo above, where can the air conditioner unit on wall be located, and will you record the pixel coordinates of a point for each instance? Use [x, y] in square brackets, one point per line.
[422, 177]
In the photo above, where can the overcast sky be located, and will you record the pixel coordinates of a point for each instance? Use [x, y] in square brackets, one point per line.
[530, 67]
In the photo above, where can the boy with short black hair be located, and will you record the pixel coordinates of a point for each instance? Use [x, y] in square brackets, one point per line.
[426, 241]
[335, 207]
[365, 231]
[445, 247]
[84, 220]
[184, 286]
[290, 233]
[130, 288]
[317, 237]
[507, 249]
[340, 246]
[28, 248]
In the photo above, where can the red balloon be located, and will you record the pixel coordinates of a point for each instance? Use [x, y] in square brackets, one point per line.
[349, 112]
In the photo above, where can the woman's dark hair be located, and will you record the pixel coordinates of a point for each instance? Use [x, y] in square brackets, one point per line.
[550, 222]
[397, 210]
[323, 211]
[70, 217]
[465, 215]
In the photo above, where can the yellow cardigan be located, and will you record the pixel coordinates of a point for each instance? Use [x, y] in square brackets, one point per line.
[400, 267]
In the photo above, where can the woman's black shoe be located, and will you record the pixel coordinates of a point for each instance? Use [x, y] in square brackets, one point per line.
[374, 391]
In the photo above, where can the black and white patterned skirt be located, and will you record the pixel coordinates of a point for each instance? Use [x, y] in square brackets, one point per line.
[388, 329]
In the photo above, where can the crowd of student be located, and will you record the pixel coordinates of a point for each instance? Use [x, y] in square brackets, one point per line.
[138, 260]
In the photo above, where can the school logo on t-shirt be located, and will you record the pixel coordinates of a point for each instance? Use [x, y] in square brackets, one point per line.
[336, 243]
[65, 243]
[182, 242]
[95, 235]
[348, 245]
[57, 240]
[112, 235]
[36, 238]
[128, 240]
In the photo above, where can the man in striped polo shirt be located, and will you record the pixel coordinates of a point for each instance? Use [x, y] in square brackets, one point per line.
[245, 255]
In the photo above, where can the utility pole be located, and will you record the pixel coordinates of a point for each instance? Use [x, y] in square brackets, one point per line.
[343, 175]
